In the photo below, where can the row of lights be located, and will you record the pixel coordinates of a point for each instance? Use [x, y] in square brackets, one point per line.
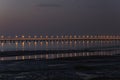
[84, 36]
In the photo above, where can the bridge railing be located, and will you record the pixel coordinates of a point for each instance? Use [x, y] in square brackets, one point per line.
[41, 38]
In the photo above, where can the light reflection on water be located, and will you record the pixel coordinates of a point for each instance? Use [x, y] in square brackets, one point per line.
[91, 48]
[56, 45]
[57, 55]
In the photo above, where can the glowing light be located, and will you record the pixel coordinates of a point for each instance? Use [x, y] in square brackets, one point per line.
[57, 42]
[29, 43]
[46, 56]
[46, 43]
[75, 36]
[2, 36]
[83, 36]
[29, 36]
[29, 57]
[70, 36]
[16, 44]
[23, 45]
[2, 44]
[52, 36]
[16, 36]
[62, 36]
[23, 57]
[23, 36]
[16, 57]
[35, 43]
[87, 36]
[46, 36]
[41, 43]
[35, 56]
[57, 36]
[2, 58]
[66, 36]
[35, 36]
[41, 36]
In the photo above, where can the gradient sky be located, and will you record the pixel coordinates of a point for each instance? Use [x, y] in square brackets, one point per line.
[57, 17]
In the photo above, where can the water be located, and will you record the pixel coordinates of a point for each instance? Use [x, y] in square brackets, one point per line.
[59, 68]
[57, 45]
[81, 48]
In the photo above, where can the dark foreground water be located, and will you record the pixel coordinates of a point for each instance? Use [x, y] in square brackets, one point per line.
[79, 68]
[81, 64]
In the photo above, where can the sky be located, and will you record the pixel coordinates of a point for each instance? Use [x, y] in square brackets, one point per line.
[59, 17]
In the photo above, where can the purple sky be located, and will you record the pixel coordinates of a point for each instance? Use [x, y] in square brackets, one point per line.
[57, 17]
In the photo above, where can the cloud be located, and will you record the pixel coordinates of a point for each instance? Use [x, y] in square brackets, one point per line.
[49, 5]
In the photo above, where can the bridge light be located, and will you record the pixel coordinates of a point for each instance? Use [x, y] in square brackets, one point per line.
[70, 36]
[46, 36]
[75, 36]
[87, 36]
[35, 36]
[35, 43]
[91, 36]
[2, 44]
[62, 37]
[52, 36]
[41, 36]
[16, 36]
[107, 36]
[2, 36]
[16, 43]
[83, 36]
[23, 36]
[57, 36]
[29, 36]
[47, 43]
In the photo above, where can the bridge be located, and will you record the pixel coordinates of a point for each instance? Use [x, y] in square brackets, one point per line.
[61, 38]
[108, 51]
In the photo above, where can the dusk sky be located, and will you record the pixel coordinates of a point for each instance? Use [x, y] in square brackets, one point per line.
[57, 17]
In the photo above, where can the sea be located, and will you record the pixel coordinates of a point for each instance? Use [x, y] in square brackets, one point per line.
[90, 60]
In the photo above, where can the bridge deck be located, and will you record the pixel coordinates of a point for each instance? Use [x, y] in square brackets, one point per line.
[54, 39]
